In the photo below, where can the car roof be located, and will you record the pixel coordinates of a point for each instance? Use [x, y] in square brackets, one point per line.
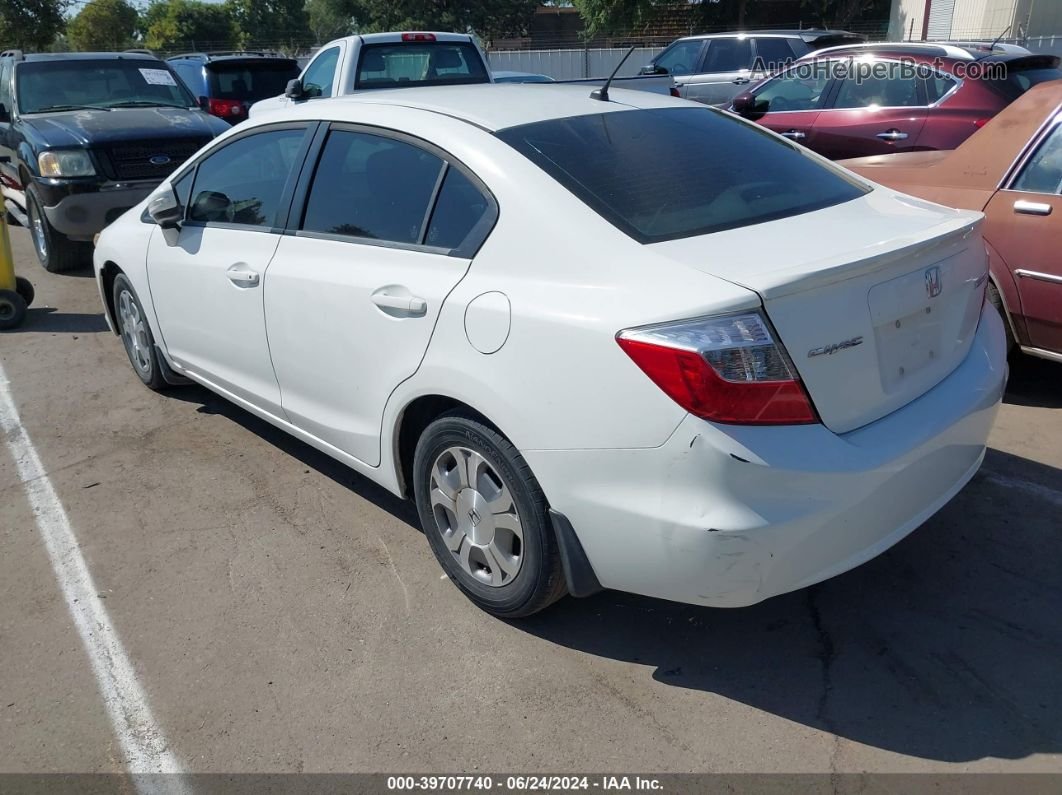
[808, 34]
[960, 51]
[492, 106]
[87, 56]
[230, 55]
[395, 37]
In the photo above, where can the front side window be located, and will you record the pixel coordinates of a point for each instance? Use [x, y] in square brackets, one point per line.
[242, 182]
[370, 186]
[420, 64]
[1043, 172]
[321, 74]
[794, 92]
[870, 91]
[71, 84]
[622, 164]
[681, 59]
[728, 55]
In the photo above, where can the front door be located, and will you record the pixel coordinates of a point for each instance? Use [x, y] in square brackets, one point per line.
[1024, 223]
[725, 72]
[352, 297]
[790, 104]
[206, 281]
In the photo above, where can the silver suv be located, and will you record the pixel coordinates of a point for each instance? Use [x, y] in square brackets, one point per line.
[716, 67]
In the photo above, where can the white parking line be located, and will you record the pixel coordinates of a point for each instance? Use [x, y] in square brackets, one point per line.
[145, 748]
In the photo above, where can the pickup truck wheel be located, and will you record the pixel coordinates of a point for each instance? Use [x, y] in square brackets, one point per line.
[24, 287]
[485, 517]
[12, 309]
[56, 252]
[136, 335]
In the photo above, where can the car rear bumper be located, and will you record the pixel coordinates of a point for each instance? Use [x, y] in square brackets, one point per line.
[727, 516]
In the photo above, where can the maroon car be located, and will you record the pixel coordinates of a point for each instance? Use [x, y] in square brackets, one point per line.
[885, 98]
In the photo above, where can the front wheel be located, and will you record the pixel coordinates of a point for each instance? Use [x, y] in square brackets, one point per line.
[136, 334]
[485, 517]
[55, 251]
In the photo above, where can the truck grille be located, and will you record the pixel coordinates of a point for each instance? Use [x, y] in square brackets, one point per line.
[151, 159]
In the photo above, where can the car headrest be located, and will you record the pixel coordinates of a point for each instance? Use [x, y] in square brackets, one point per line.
[373, 61]
[448, 58]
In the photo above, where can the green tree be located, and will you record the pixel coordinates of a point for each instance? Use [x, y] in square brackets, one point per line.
[329, 20]
[169, 25]
[269, 21]
[103, 25]
[487, 18]
[30, 24]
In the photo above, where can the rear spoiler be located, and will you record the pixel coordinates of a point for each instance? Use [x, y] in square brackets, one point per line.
[1020, 62]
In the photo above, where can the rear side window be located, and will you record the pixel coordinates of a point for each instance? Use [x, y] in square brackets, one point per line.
[460, 207]
[728, 55]
[419, 64]
[623, 164]
[242, 182]
[938, 86]
[1018, 81]
[250, 81]
[773, 54]
[1043, 172]
[369, 186]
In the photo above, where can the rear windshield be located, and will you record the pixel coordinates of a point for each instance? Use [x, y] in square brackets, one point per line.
[71, 84]
[668, 173]
[419, 64]
[1018, 81]
[251, 81]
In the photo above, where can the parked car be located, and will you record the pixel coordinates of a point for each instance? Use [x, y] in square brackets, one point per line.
[610, 404]
[1011, 170]
[84, 137]
[879, 99]
[228, 83]
[385, 60]
[714, 68]
[521, 77]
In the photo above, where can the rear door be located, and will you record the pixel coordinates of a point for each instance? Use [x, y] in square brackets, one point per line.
[872, 113]
[387, 229]
[1024, 223]
[726, 71]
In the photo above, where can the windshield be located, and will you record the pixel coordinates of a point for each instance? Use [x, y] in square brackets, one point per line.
[54, 85]
[1018, 81]
[420, 64]
[668, 173]
[251, 81]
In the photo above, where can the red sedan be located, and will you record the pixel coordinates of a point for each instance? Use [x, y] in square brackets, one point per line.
[1012, 171]
[885, 98]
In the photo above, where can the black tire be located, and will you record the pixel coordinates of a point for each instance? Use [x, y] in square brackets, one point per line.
[56, 252]
[136, 336]
[539, 580]
[996, 301]
[24, 287]
[12, 310]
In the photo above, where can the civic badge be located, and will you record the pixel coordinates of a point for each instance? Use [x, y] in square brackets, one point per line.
[933, 283]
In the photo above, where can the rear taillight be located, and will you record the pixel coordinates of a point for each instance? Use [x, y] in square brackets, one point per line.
[724, 369]
[418, 37]
[225, 107]
[675, 92]
[981, 123]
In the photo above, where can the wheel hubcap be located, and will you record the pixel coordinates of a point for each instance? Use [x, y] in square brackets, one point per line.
[476, 516]
[134, 333]
[7, 310]
[37, 226]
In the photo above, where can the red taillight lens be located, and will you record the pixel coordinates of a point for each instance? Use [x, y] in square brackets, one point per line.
[418, 37]
[675, 92]
[981, 123]
[724, 369]
[225, 107]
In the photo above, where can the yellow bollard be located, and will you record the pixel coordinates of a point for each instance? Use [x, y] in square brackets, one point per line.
[16, 293]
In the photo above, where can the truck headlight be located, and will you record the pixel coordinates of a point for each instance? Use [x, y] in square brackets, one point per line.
[72, 163]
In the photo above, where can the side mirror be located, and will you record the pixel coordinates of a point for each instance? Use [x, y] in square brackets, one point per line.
[204, 104]
[653, 69]
[294, 89]
[749, 106]
[165, 210]
[5, 114]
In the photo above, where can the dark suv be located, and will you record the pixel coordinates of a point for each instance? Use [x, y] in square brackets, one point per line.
[226, 84]
[84, 137]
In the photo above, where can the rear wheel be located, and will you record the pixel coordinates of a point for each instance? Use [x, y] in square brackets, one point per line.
[997, 301]
[12, 309]
[136, 334]
[485, 517]
[56, 252]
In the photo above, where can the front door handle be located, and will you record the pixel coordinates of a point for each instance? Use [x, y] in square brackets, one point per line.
[397, 301]
[741, 81]
[241, 275]
[796, 135]
[892, 135]
[1032, 208]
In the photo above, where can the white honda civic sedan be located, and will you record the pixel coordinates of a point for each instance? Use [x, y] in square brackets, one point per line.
[636, 343]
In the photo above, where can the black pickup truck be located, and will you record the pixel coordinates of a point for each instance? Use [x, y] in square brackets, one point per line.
[84, 137]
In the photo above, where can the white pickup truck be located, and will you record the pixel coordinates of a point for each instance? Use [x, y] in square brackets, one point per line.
[408, 60]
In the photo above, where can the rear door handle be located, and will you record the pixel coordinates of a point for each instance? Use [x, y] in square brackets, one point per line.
[397, 300]
[741, 81]
[241, 275]
[1031, 208]
[892, 135]
[796, 135]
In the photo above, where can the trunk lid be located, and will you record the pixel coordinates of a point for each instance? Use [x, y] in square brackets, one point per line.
[876, 300]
